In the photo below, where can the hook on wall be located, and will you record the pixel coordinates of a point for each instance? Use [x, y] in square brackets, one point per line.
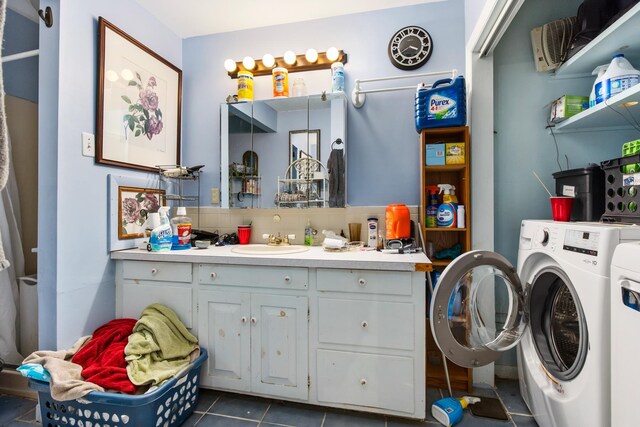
[47, 16]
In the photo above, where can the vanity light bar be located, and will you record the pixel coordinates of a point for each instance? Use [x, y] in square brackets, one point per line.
[301, 64]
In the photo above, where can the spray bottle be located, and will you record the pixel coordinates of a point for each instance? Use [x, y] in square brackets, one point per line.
[432, 206]
[449, 411]
[447, 211]
[161, 236]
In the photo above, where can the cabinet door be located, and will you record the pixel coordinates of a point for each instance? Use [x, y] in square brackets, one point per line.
[224, 331]
[279, 346]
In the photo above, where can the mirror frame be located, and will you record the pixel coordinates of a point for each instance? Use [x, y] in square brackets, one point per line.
[304, 138]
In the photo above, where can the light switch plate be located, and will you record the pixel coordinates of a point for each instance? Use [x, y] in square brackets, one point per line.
[88, 144]
[215, 196]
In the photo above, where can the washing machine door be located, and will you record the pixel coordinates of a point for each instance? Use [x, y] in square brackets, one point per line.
[463, 310]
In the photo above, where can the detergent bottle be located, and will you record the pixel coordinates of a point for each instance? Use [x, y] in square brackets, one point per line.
[599, 72]
[432, 207]
[447, 211]
[449, 411]
[161, 236]
[620, 75]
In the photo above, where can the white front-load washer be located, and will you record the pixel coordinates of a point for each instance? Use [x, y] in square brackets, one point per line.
[555, 305]
[625, 337]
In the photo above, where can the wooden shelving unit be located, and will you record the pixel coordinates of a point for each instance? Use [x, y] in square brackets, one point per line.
[442, 238]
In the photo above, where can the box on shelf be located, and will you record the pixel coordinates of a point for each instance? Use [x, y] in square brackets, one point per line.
[454, 153]
[567, 106]
[435, 154]
[168, 405]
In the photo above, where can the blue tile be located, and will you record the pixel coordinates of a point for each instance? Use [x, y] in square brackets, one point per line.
[209, 420]
[29, 417]
[468, 420]
[509, 392]
[352, 419]
[402, 422]
[14, 407]
[206, 399]
[524, 421]
[19, 424]
[292, 414]
[191, 420]
[237, 405]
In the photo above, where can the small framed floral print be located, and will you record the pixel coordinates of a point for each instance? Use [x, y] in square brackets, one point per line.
[139, 104]
[134, 206]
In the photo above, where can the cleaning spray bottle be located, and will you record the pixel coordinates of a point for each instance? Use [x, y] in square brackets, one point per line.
[447, 211]
[432, 206]
[161, 236]
[449, 411]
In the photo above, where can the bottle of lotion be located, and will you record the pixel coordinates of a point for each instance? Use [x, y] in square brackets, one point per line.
[372, 232]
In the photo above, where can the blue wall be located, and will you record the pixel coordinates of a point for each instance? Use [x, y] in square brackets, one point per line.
[76, 276]
[522, 144]
[20, 76]
[472, 9]
[382, 144]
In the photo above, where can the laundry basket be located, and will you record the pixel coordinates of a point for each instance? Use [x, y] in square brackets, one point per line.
[167, 406]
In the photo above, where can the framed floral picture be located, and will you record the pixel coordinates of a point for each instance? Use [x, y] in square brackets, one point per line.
[139, 104]
[134, 206]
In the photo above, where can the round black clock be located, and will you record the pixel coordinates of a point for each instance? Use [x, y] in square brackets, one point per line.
[410, 48]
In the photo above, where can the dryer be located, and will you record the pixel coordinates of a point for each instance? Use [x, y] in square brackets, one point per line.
[555, 305]
[625, 325]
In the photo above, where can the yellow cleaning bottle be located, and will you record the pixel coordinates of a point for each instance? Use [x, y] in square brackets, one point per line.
[447, 211]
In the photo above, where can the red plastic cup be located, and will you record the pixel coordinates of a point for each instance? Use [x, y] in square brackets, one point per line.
[561, 208]
[244, 234]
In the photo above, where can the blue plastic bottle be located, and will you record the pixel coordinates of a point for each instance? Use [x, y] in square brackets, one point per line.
[442, 105]
[448, 210]
[160, 239]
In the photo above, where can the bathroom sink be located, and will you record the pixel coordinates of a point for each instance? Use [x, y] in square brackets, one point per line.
[268, 250]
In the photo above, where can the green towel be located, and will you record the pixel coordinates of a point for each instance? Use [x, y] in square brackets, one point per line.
[159, 346]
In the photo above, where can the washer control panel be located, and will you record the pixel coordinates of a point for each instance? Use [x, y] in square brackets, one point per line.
[583, 242]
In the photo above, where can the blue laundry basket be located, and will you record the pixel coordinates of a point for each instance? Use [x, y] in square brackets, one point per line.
[167, 406]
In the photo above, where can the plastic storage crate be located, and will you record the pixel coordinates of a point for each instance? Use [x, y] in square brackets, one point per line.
[167, 406]
[621, 191]
[628, 149]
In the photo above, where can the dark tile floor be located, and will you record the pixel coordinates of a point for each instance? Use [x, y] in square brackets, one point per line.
[234, 410]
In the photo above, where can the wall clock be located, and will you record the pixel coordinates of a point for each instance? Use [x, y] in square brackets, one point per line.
[410, 48]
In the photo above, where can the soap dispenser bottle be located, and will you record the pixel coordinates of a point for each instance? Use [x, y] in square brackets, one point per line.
[181, 230]
[308, 234]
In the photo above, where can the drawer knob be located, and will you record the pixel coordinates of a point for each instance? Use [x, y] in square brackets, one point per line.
[243, 319]
[362, 281]
[363, 382]
[287, 279]
[213, 275]
[364, 324]
[154, 271]
[254, 320]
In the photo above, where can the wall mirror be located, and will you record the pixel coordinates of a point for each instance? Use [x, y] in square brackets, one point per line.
[275, 133]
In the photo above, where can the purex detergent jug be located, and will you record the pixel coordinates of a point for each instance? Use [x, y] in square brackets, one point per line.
[442, 105]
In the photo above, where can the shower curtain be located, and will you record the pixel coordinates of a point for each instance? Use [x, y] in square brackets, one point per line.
[11, 255]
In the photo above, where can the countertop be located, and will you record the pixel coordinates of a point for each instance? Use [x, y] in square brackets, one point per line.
[315, 257]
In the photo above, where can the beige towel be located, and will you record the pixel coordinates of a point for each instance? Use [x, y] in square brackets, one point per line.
[66, 380]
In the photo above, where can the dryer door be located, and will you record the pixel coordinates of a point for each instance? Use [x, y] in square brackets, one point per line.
[464, 319]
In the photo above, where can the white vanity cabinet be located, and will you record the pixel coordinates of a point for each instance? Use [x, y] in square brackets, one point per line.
[339, 330]
[254, 323]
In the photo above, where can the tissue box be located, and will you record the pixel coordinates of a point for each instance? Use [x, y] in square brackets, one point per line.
[454, 153]
[567, 106]
[435, 154]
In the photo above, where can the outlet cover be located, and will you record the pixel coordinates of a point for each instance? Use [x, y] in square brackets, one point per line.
[215, 196]
[88, 144]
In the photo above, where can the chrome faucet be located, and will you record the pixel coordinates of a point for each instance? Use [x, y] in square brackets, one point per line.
[278, 240]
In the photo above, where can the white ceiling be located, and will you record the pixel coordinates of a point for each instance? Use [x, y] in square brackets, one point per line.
[200, 17]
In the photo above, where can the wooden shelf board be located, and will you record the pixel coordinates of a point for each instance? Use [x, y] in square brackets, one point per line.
[444, 168]
[441, 262]
[443, 229]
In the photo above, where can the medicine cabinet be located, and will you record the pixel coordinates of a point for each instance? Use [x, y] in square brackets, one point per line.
[261, 140]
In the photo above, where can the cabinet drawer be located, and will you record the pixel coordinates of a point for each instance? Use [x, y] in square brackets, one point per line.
[364, 281]
[157, 271]
[369, 323]
[366, 379]
[261, 277]
[137, 296]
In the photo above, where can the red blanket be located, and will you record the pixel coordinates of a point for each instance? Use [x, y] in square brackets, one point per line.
[102, 358]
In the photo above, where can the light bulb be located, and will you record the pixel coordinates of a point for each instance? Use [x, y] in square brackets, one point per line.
[111, 75]
[268, 60]
[248, 63]
[290, 57]
[127, 74]
[230, 65]
[332, 54]
[311, 55]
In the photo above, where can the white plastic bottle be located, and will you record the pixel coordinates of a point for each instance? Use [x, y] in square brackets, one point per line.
[160, 239]
[599, 72]
[620, 75]
[460, 216]
[181, 230]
